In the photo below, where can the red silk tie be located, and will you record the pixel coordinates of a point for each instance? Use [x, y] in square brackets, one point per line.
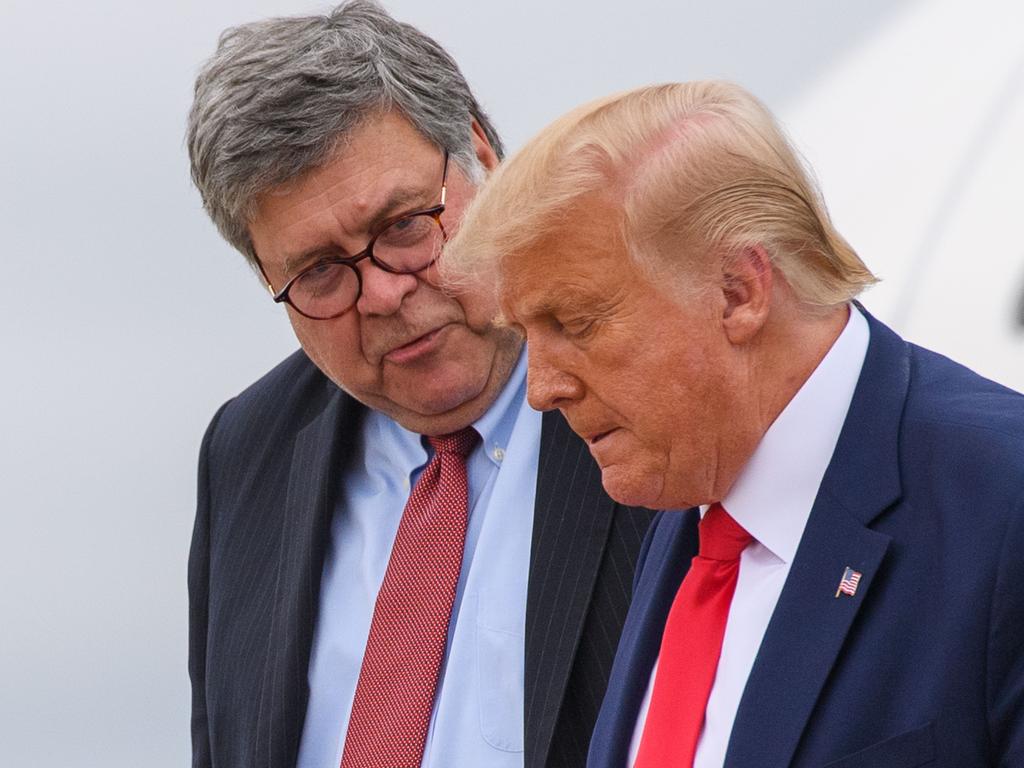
[394, 697]
[691, 645]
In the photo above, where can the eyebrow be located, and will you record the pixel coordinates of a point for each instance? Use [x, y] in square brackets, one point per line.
[566, 301]
[398, 201]
[549, 305]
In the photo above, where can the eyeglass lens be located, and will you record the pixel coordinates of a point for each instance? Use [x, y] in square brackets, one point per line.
[407, 245]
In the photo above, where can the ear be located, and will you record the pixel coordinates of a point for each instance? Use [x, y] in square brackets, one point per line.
[484, 151]
[747, 280]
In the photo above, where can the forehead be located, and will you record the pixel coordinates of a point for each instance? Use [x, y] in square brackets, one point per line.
[580, 261]
[383, 165]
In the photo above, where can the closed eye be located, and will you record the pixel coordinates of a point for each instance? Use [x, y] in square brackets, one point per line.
[579, 328]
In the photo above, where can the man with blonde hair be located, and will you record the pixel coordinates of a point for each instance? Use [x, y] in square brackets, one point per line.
[843, 588]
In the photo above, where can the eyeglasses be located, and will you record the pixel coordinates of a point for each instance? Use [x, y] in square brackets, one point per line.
[402, 245]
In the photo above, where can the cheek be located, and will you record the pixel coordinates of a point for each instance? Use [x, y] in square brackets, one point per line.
[479, 309]
[671, 418]
[333, 345]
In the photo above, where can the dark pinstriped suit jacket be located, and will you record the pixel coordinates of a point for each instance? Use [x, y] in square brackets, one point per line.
[270, 470]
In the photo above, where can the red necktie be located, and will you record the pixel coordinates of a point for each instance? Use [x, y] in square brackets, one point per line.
[395, 694]
[691, 645]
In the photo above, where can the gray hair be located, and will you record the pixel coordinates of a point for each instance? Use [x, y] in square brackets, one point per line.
[278, 97]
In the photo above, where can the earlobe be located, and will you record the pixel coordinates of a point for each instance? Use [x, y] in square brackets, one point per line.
[482, 146]
[747, 280]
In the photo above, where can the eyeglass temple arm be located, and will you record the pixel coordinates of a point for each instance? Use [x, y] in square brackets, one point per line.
[444, 178]
[263, 274]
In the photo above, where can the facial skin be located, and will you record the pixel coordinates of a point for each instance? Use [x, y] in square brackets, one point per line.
[672, 396]
[432, 362]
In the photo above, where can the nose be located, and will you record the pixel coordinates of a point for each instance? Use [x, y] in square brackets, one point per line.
[549, 386]
[382, 292]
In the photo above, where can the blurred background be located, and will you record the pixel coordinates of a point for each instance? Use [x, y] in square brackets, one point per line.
[126, 320]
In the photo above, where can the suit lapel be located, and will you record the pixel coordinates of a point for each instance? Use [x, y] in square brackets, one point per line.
[572, 517]
[804, 637]
[669, 548]
[317, 460]
[806, 633]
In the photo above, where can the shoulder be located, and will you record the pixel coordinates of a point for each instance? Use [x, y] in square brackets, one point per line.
[954, 416]
[961, 457]
[277, 405]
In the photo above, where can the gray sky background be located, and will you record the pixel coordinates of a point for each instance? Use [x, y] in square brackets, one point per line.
[127, 321]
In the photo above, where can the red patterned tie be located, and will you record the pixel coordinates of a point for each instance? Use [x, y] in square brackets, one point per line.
[691, 645]
[395, 693]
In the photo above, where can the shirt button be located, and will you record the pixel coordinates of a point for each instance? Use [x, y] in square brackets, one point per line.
[499, 453]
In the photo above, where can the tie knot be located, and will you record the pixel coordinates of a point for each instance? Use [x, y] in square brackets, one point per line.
[721, 537]
[459, 443]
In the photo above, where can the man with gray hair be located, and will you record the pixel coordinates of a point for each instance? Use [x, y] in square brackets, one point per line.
[395, 561]
[836, 580]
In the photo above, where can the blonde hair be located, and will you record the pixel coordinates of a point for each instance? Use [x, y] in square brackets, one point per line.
[697, 168]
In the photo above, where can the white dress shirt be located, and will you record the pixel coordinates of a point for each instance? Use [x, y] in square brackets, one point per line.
[772, 499]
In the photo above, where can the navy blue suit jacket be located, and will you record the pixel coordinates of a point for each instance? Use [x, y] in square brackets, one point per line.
[924, 666]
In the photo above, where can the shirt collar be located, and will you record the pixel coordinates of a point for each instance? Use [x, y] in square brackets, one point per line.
[495, 426]
[406, 449]
[774, 493]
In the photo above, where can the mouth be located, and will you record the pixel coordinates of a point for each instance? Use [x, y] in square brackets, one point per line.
[418, 347]
[597, 437]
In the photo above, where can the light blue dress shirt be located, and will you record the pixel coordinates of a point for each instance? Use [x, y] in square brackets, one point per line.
[478, 710]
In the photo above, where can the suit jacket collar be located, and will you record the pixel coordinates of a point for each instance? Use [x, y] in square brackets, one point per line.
[864, 473]
[807, 630]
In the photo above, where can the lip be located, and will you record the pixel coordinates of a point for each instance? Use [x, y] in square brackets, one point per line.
[417, 348]
[603, 444]
[595, 439]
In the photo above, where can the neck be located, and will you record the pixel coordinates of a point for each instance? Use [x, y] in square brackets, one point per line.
[803, 343]
[788, 350]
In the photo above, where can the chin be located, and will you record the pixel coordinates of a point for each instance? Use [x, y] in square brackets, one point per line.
[438, 398]
[437, 411]
[631, 489]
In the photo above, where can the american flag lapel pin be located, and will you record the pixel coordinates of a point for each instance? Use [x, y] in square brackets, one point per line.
[848, 584]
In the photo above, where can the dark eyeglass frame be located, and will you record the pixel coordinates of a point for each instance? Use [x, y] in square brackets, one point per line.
[433, 212]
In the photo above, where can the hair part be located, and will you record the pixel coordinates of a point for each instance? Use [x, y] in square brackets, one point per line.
[700, 170]
[280, 96]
